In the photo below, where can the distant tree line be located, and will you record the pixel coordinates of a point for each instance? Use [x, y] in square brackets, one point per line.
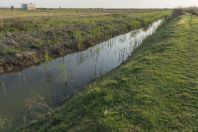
[193, 10]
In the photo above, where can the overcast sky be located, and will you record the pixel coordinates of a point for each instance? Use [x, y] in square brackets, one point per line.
[103, 3]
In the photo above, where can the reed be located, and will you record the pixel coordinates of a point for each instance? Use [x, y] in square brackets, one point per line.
[78, 37]
[47, 56]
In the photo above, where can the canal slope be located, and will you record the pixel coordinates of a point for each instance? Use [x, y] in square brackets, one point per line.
[156, 89]
[28, 38]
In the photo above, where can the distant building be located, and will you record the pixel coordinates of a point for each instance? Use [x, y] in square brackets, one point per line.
[28, 7]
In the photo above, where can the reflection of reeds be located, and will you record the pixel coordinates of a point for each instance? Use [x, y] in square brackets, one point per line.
[19, 73]
[2, 85]
[97, 50]
[64, 72]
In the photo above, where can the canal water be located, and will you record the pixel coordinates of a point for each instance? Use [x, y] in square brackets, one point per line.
[55, 81]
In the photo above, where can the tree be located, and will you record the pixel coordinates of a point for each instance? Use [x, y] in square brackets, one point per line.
[12, 7]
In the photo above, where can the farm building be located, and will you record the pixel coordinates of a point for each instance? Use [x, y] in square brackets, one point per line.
[28, 7]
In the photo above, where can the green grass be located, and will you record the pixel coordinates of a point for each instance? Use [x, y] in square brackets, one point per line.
[155, 90]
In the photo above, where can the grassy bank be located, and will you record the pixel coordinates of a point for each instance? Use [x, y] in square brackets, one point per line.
[26, 37]
[156, 90]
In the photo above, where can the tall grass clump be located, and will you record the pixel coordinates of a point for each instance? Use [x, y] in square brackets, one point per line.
[78, 37]
[47, 56]
[36, 106]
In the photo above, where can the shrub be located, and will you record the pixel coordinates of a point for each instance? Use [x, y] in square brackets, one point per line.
[177, 12]
[12, 7]
[193, 10]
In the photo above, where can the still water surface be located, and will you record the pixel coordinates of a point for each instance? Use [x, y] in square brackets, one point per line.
[60, 78]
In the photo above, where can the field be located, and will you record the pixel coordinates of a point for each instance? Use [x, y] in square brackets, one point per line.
[155, 90]
[26, 38]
